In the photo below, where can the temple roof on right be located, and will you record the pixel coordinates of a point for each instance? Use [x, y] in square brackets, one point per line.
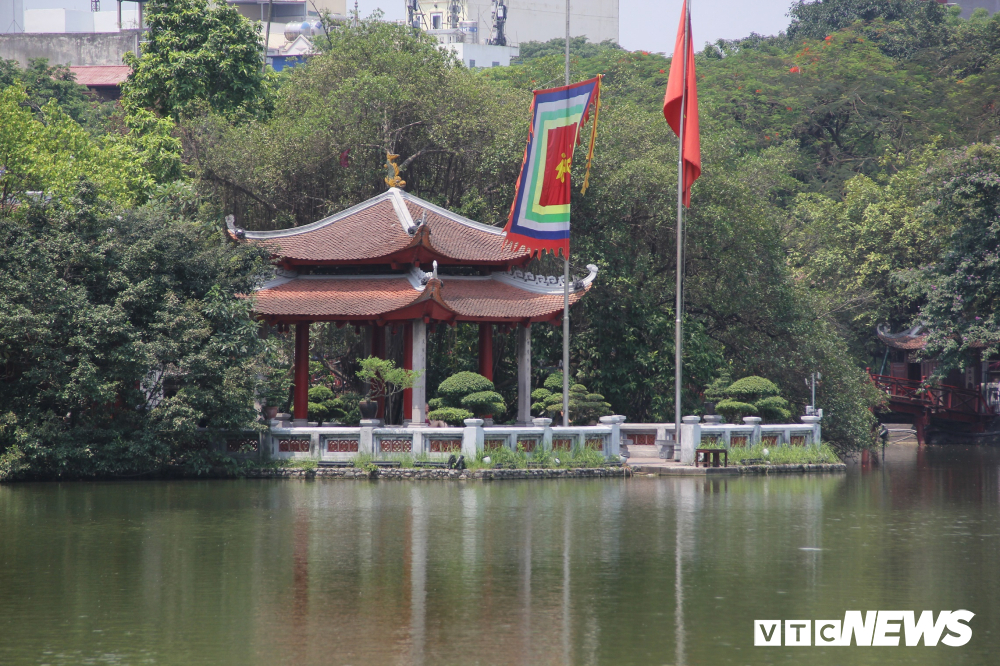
[394, 228]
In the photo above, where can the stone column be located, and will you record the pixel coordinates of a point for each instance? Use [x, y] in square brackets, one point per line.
[407, 364]
[614, 445]
[690, 438]
[419, 363]
[524, 375]
[546, 441]
[473, 438]
[366, 440]
[755, 422]
[301, 393]
[814, 422]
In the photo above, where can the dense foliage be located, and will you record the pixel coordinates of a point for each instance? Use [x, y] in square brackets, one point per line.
[200, 55]
[123, 344]
[850, 179]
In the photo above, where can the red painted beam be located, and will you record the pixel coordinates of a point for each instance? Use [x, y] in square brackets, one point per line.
[301, 392]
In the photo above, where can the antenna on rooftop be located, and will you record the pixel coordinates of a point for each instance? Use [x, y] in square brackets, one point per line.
[95, 5]
[498, 35]
[414, 16]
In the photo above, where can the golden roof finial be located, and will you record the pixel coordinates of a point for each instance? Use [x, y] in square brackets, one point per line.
[392, 178]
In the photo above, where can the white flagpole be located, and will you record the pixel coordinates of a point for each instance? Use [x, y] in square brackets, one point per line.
[566, 278]
[679, 304]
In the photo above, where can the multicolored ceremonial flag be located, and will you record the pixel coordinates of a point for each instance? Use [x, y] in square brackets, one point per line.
[539, 216]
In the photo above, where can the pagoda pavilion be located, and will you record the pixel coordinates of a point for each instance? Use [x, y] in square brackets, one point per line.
[399, 261]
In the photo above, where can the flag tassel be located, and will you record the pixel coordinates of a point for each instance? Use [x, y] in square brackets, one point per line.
[593, 136]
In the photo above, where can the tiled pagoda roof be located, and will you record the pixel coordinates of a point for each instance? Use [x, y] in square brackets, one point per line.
[396, 229]
[912, 339]
[499, 297]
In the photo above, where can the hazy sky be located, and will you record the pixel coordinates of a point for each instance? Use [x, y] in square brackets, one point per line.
[652, 24]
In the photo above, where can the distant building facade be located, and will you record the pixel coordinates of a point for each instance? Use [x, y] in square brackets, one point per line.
[65, 16]
[289, 11]
[542, 20]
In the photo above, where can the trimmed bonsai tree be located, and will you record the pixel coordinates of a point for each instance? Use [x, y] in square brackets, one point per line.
[716, 391]
[465, 395]
[584, 406]
[384, 378]
[324, 405]
[753, 396]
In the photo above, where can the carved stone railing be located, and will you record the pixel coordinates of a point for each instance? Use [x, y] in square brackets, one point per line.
[374, 439]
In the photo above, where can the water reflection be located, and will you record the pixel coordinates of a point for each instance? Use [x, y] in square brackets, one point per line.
[642, 571]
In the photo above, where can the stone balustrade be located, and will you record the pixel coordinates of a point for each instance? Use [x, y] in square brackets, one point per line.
[374, 439]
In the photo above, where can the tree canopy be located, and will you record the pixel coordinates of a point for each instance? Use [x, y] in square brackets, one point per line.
[200, 55]
[849, 176]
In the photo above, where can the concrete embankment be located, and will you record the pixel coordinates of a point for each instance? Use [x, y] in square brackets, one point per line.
[674, 469]
[438, 474]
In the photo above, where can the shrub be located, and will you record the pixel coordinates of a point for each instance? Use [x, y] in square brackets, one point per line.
[752, 396]
[774, 408]
[461, 384]
[352, 410]
[584, 406]
[484, 402]
[471, 393]
[435, 403]
[751, 389]
[554, 382]
[451, 415]
[716, 391]
[320, 394]
[734, 410]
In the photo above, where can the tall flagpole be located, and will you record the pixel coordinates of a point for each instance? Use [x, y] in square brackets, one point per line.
[566, 277]
[679, 305]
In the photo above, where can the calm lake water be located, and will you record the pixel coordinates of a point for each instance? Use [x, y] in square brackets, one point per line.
[639, 571]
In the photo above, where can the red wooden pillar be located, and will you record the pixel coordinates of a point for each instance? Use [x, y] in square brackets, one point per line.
[486, 350]
[921, 422]
[301, 394]
[378, 351]
[408, 364]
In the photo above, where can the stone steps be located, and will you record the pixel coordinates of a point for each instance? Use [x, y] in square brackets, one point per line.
[641, 451]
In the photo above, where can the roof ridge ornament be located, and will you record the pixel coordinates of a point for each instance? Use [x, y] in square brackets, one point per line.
[392, 178]
[545, 284]
[419, 277]
[422, 222]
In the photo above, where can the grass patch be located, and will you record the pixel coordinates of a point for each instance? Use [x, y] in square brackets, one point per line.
[521, 459]
[785, 455]
[297, 463]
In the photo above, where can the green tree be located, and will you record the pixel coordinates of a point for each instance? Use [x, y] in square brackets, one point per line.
[123, 344]
[847, 252]
[820, 18]
[200, 56]
[961, 288]
[47, 155]
[43, 83]
[376, 88]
